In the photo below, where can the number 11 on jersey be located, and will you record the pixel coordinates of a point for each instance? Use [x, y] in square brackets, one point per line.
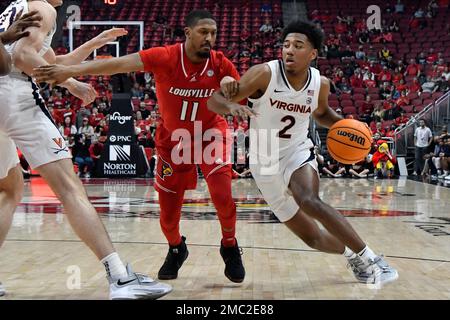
[184, 109]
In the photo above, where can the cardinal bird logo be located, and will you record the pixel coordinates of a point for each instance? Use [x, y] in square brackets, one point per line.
[166, 169]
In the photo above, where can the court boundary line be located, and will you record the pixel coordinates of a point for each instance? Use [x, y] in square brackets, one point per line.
[218, 246]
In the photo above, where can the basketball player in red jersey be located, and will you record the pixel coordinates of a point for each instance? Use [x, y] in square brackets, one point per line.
[186, 76]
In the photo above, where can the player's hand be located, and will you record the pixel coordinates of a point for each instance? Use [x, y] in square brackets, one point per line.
[83, 91]
[53, 74]
[242, 112]
[16, 30]
[108, 36]
[229, 87]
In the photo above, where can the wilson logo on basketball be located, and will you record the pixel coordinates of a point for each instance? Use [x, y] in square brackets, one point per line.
[352, 137]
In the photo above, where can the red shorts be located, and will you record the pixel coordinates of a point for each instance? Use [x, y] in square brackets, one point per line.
[176, 167]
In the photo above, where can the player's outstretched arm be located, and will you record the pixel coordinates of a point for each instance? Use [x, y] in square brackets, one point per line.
[324, 115]
[252, 84]
[59, 73]
[85, 50]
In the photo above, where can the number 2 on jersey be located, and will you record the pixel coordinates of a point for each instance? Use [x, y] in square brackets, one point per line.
[184, 109]
[282, 133]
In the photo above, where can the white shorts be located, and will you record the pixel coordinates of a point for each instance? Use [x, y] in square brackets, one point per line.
[275, 186]
[26, 122]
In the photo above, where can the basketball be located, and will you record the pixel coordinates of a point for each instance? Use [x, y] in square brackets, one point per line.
[349, 141]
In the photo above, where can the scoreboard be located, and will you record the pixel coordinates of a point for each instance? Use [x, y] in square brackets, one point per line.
[109, 4]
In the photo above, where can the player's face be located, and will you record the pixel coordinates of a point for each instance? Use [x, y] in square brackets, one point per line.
[298, 52]
[202, 37]
[55, 3]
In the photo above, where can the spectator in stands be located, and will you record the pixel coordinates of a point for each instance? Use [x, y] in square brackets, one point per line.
[384, 53]
[412, 69]
[433, 161]
[446, 74]
[86, 130]
[332, 168]
[393, 26]
[361, 169]
[95, 152]
[363, 37]
[266, 7]
[81, 115]
[379, 129]
[392, 112]
[402, 100]
[347, 52]
[333, 52]
[428, 85]
[385, 90]
[369, 80]
[385, 75]
[415, 86]
[399, 7]
[232, 51]
[402, 119]
[444, 156]
[136, 91]
[422, 140]
[82, 156]
[442, 85]
[344, 86]
[378, 113]
[95, 117]
[67, 129]
[421, 58]
[360, 54]
[143, 109]
[266, 27]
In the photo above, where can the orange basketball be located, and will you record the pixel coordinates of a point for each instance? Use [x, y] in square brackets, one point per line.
[349, 141]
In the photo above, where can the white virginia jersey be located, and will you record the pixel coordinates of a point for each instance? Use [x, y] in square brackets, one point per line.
[282, 123]
[10, 14]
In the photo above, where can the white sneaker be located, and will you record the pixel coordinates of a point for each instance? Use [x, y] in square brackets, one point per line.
[447, 178]
[87, 175]
[2, 290]
[381, 272]
[137, 286]
[377, 273]
[443, 176]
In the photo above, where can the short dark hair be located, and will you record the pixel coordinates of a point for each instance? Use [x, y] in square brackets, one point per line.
[310, 30]
[195, 15]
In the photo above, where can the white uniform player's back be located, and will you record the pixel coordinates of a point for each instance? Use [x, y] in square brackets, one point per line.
[9, 16]
[285, 112]
[24, 119]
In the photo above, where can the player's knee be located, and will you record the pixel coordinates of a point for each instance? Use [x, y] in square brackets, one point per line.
[222, 200]
[311, 205]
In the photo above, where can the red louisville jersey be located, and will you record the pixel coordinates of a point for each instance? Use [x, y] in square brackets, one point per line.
[183, 88]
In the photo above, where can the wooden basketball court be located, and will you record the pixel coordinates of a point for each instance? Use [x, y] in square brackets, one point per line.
[407, 221]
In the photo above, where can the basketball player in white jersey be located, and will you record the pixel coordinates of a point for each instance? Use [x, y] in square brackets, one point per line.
[25, 122]
[14, 33]
[283, 95]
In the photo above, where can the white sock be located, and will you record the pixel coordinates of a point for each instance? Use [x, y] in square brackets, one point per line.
[114, 266]
[367, 254]
[349, 254]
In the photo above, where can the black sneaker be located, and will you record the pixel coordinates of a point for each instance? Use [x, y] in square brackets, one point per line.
[234, 269]
[174, 260]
